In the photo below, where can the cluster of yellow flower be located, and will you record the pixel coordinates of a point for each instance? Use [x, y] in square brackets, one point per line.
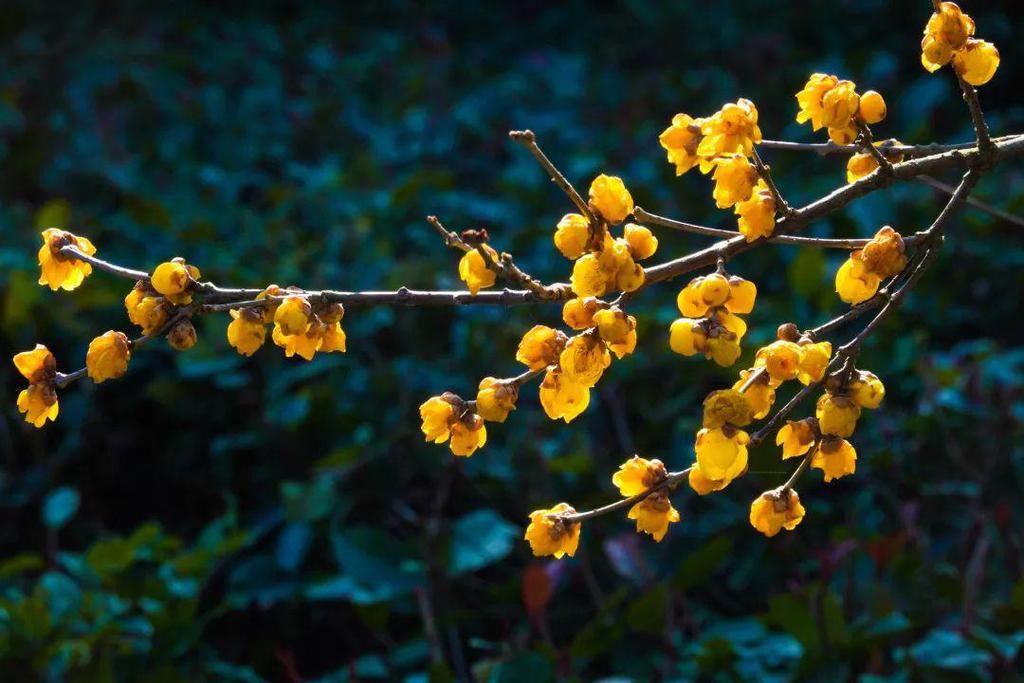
[884, 255]
[828, 102]
[152, 304]
[723, 142]
[604, 264]
[300, 328]
[947, 38]
[711, 325]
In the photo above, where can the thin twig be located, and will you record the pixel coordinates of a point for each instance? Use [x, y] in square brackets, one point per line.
[985, 143]
[671, 480]
[828, 148]
[867, 142]
[528, 139]
[1001, 214]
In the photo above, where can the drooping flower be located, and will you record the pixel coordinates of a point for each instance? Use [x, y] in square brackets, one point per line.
[687, 337]
[735, 178]
[837, 415]
[872, 107]
[885, 254]
[473, 269]
[496, 398]
[854, 282]
[946, 32]
[780, 359]
[811, 99]
[977, 62]
[760, 393]
[814, 360]
[584, 359]
[37, 366]
[39, 403]
[757, 214]
[637, 475]
[182, 335]
[549, 533]
[642, 242]
[776, 510]
[610, 199]
[681, 140]
[572, 236]
[578, 313]
[700, 483]
[562, 398]
[57, 270]
[437, 414]
[541, 347]
[866, 389]
[797, 437]
[726, 407]
[175, 280]
[653, 515]
[293, 316]
[840, 104]
[835, 457]
[468, 434]
[304, 344]
[108, 356]
[722, 452]
[246, 331]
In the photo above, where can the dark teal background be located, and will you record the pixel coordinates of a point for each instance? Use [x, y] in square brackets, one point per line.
[210, 517]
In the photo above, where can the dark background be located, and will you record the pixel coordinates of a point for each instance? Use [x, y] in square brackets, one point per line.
[210, 517]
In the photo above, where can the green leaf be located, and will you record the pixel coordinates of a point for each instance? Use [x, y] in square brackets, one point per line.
[478, 539]
[110, 556]
[60, 506]
[647, 614]
[700, 564]
[950, 651]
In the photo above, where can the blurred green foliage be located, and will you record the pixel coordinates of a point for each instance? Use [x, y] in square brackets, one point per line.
[306, 145]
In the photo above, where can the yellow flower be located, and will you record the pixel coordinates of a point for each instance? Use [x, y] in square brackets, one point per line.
[496, 398]
[293, 316]
[474, 272]
[572, 235]
[680, 141]
[305, 344]
[151, 313]
[814, 359]
[837, 415]
[637, 475]
[613, 325]
[854, 283]
[796, 437]
[867, 390]
[843, 135]
[977, 62]
[182, 335]
[687, 337]
[714, 289]
[39, 403]
[610, 199]
[860, 165]
[946, 32]
[630, 276]
[653, 515]
[732, 129]
[760, 394]
[58, 271]
[108, 356]
[723, 349]
[840, 104]
[722, 453]
[332, 338]
[561, 397]
[776, 510]
[742, 294]
[588, 279]
[726, 406]
[642, 242]
[757, 214]
[549, 533]
[884, 255]
[579, 313]
[437, 414]
[781, 359]
[540, 347]
[872, 107]
[584, 359]
[175, 279]
[37, 366]
[468, 434]
[836, 458]
[701, 484]
[734, 180]
[246, 331]
[811, 99]
[690, 302]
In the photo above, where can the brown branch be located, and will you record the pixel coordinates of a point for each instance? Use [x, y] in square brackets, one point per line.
[828, 148]
[528, 139]
[985, 143]
[671, 480]
[450, 238]
[867, 142]
[644, 216]
[946, 188]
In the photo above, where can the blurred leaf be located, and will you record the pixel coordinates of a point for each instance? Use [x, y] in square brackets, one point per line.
[478, 539]
[60, 506]
[948, 650]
